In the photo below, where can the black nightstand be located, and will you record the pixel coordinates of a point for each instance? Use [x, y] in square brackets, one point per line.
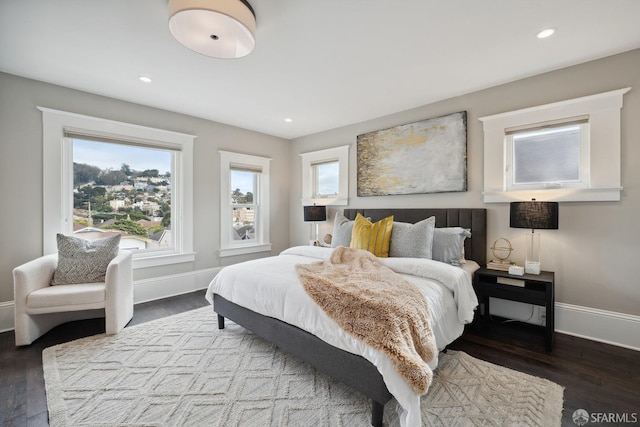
[536, 289]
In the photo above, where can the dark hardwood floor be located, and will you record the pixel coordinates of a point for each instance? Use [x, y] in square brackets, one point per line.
[597, 377]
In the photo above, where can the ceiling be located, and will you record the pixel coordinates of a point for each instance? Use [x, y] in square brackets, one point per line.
[323, 64]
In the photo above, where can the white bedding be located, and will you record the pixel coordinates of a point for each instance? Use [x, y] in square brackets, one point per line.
[270, 286]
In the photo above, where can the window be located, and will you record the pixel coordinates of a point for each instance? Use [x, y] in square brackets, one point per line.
[325, 177]
[548, 156]
[244, 197]
[244, 204]
[103, 176]
[565, 151]
[125, 189]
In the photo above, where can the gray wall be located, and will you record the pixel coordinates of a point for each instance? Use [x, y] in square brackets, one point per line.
[21, 171]
[596, 250]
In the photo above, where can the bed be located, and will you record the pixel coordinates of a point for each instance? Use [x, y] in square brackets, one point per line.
[340, 360]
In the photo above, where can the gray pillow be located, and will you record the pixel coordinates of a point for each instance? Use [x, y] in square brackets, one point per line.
[342, 228]
[448, 244]
[84, 261]
[412, 240]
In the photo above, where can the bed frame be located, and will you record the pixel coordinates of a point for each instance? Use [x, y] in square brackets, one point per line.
[353, 370]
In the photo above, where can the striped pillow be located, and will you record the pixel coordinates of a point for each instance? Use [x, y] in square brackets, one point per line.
[372, 237]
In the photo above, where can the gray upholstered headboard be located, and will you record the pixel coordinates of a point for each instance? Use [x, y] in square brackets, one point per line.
[475, 248]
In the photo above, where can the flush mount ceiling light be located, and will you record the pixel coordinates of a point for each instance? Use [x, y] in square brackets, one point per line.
[217, 28]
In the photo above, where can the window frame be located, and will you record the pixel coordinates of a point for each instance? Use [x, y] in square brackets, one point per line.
[339, 154]
[603, 112]
[228, 161]
[58, 179]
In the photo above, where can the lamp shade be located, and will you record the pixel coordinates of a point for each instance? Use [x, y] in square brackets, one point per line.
[315, 213]
[534, 215]
[217, 28]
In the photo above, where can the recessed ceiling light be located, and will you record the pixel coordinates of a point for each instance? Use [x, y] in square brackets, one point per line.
[288, 120]
[548, 32]
[145, 79]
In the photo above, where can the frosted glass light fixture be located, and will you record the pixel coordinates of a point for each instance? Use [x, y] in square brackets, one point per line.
[217, 28]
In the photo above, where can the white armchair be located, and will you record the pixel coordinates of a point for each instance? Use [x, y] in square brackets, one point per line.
[40, 307]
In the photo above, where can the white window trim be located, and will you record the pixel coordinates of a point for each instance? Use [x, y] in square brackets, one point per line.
[341, 154]
[603, 111]
[58, 184]
[227, 246]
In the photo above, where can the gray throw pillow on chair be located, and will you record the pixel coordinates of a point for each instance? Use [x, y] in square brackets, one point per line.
[84, 261]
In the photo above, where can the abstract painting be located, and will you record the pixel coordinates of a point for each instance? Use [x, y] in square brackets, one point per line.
[429, 156]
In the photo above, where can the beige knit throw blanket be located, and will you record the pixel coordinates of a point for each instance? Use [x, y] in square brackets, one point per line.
[376, 305]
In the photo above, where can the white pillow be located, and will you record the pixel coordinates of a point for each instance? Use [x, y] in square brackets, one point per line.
[412, 240]
[448, 244]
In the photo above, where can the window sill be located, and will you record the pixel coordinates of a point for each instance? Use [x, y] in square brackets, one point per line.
[556, 195]
[147, 261]
[249, 249]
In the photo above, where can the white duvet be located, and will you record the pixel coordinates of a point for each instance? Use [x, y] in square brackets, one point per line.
[270, 286]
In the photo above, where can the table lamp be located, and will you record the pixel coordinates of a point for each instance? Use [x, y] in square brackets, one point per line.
[315, 213]
[536, 216]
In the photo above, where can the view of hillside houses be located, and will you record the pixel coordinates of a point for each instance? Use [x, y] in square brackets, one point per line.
[135, 204]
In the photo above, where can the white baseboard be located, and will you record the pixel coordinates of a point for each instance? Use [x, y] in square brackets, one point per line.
[143, 291]
[168, 286]
[609, 327]
[599, 325]
[6, 316]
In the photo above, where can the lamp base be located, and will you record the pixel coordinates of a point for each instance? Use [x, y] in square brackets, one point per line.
[531, 267]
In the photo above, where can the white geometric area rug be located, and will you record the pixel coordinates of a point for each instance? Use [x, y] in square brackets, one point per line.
[182, 371]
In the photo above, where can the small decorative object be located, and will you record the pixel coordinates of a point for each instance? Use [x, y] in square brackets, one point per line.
[516, 270]
[429, 156]
[501, 250]
[314, 214]
[533, 215]
[328, 238]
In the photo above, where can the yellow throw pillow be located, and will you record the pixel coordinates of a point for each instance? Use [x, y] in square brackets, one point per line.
[372, 237]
